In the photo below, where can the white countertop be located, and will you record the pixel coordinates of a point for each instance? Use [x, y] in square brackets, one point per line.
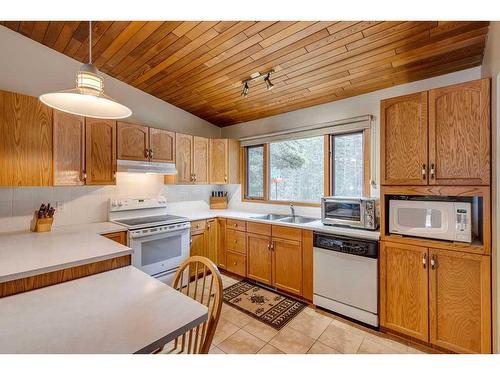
[313, 225]
[118, 311]
[25, 253]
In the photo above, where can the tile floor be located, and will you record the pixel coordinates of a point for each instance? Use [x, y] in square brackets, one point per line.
[312, 332]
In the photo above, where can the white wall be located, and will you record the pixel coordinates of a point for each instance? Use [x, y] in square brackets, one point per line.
[491, 68]
[31, 68]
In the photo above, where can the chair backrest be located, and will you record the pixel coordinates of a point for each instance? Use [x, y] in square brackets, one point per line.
[199, 278]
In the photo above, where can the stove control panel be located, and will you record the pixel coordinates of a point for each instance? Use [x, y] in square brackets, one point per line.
[136, 203]
[160, 229]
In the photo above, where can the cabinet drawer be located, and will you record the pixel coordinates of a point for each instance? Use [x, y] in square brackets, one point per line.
[198, 225]
[259, 228]
[236, 241]
[289, 233]
[236, 263]
[236, 224]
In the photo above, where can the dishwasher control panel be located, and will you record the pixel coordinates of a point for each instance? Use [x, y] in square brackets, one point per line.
[347, 245]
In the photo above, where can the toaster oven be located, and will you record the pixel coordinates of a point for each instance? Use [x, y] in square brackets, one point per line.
[355, 212]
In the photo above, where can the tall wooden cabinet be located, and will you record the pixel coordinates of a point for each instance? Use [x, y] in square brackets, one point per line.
[437, 296]
[100, 152]
[25, 141]
[437, 137]
[69, 149]
[183, 158]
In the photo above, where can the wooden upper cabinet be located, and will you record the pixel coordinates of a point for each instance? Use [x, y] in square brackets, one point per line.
[259, 256]
[100, 151]
[162, 145]
[287, 265]
[404, 282]
[183, 158]
[132, 141]
[403, 140]
[233, 161]
[69, 149]
[25, 141]
[459, 134]
[460, 307]
[218, 161]
[200, 160]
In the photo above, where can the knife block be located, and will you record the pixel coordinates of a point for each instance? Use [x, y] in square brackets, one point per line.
[218, 203]
[41, 225]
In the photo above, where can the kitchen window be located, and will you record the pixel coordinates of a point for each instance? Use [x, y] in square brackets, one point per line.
[304, 170]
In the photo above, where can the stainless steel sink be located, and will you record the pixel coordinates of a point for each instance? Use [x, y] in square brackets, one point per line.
[271, 217]
[297, 220]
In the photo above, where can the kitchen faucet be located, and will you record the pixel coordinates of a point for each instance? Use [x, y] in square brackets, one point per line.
[292, 208]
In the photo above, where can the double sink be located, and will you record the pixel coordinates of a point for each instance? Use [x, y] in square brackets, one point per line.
[285, 218]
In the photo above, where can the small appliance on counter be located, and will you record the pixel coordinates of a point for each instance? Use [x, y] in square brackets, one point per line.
[218, 200]
[345, 278]
[43, 218]
[354, 212]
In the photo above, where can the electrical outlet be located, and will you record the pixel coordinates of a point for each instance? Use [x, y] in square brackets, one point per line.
[59, 206]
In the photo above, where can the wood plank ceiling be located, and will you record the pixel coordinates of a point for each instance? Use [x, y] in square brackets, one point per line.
[199, 66]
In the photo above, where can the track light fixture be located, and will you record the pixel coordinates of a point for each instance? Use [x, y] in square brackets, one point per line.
[256, 77]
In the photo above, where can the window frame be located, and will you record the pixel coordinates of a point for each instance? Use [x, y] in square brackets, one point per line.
[327, 175]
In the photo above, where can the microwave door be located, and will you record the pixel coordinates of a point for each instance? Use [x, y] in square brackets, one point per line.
[421, 219]
[346, 212]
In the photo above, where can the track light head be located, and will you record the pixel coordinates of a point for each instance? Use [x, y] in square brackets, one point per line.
[267, 80]
[246, 90]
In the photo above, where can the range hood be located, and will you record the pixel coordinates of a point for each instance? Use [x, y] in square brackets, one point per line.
[133, 166]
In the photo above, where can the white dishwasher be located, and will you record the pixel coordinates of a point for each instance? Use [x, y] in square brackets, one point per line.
[346, 276]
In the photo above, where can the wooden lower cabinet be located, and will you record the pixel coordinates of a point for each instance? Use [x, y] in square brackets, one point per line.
[438, 296]
[221, 249]
[236, 263]
[260, 258]
[460, 303]
[212, 245]
[120, 237]
[204, 239]
[287, 265]
[404, 289]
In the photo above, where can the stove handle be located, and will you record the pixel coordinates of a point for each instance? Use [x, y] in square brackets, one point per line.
[158, 235]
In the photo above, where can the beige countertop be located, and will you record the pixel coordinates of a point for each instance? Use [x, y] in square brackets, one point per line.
[25, 253]
[118, 311]
[315, 225]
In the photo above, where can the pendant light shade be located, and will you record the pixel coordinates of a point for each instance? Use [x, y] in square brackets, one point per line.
[88, 98]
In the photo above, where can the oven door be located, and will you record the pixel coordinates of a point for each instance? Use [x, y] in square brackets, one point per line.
[155, 254]
[343, 212]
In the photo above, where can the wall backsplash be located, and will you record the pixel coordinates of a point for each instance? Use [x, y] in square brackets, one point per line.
[87, 204]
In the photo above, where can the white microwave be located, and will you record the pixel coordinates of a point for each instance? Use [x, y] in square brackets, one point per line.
[431, 219]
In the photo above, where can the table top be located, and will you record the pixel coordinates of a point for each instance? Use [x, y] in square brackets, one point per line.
[119, 311]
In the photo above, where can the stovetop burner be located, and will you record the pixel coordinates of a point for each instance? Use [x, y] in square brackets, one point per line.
[152, 220]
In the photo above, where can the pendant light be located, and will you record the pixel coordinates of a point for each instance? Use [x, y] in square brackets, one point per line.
[88, 98]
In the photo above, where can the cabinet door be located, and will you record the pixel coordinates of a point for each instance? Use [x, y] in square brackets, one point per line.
[221, 234]
[218, 161]
[403, 140]
[233, 149]
[404, 289]
[183, 158]
[459, 134]
[287, 265]
[460, 302]
[100, 151]
[162, 145]
[200, 160]
[259, 256]
[25, 141]
[69, 149]
[198, 247]
[212, 240]
[132, 141]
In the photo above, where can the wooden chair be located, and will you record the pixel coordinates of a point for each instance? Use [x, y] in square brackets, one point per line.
[199, 278]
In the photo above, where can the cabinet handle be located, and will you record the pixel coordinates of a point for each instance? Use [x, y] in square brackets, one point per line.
[424, 261]
[194, 177]
[433, 171]
[83, 176]
[236, 225]
[424, 171]
[150, 153]
[235, 263]
[235, 241]
[272, 245]
[269, 246]
[146, 153]
[114, 175]
[434, 262]
[225, 178]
